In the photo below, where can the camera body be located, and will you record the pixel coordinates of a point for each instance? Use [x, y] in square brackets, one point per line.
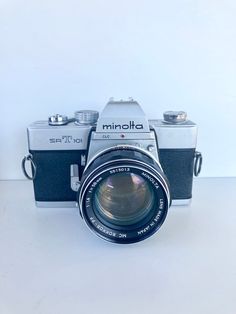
[61, 149]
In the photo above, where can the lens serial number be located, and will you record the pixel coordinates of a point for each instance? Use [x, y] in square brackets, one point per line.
[118, 170]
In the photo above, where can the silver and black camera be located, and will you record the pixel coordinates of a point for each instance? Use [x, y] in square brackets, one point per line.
[121, 170]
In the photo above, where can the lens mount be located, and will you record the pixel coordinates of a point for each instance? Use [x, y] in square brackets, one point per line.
[124, 195]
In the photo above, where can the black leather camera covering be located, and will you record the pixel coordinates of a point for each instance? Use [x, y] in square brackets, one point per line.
[52, 181]
[178, 165]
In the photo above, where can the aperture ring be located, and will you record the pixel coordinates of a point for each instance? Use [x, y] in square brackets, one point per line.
[124, 148]
[133, 163]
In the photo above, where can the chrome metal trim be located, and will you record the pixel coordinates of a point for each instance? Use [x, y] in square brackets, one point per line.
[117, 136]
[71, 204]
[175, 136]
[42, 136]
[183, 202]
[117, 147]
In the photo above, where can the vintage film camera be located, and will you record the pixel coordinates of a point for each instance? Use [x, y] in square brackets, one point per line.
[121, 170]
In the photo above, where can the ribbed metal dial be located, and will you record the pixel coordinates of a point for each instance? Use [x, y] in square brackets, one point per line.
[57, 119]
[86, 116]
[175, 116]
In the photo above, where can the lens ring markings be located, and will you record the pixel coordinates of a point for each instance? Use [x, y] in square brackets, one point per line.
[124, 234]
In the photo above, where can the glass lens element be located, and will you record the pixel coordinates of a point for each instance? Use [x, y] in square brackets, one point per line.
[124, 198]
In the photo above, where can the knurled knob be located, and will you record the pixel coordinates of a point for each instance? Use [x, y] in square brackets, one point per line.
[86, 116]
[58, 119]
[175, 116]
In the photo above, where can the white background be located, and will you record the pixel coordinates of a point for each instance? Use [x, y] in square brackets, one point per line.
[52, 264]
[59, 56]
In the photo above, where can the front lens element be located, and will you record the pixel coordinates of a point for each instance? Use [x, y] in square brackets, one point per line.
[124, 195]
[124, 199]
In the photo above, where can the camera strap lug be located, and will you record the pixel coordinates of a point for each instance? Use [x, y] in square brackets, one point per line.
[33, 167]
[197, 163]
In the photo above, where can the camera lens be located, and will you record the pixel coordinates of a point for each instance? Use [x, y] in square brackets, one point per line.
[124, 198]
[124, 195]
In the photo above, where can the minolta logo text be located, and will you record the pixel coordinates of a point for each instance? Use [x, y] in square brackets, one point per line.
[130, 126]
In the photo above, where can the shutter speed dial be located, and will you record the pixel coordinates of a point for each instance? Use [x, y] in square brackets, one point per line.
[82, 117]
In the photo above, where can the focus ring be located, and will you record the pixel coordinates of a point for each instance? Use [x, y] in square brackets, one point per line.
[133, 162]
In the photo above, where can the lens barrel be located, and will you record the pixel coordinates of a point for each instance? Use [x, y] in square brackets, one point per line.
[124, 195]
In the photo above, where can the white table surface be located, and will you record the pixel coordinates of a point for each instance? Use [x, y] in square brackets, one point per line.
[51, 263]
